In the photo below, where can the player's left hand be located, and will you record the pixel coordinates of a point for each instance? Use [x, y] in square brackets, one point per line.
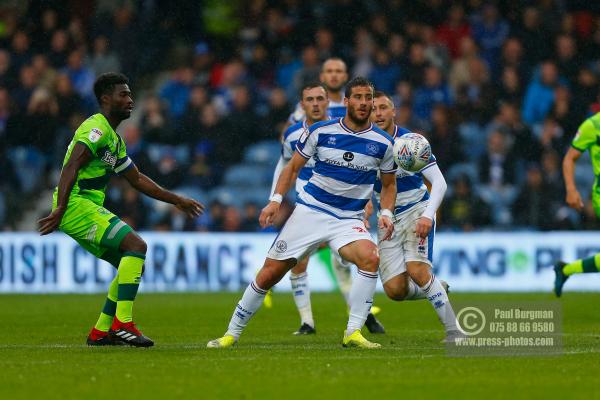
[386, 223]
[424, 226]
[190, 207]
[51, 222]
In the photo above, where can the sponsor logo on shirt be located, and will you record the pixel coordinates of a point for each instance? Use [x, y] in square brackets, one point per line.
[109, 158]
[348, 156]
[346, 164]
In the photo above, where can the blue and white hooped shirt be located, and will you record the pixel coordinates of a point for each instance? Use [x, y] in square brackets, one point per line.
[346, 166]
[411, 189]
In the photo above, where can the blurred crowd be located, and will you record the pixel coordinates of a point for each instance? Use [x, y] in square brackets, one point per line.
[498, 87]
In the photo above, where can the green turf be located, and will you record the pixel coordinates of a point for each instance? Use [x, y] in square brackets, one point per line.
[42, 353]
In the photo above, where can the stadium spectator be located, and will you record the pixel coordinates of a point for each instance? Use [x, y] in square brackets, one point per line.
[454, 30]
[176, 91]
[444, 138]
[103, 58]
[434, 91]
[230, 94]
[463, 209]
[531, 206]
[540, 93]
[496, 169]
[156, 122]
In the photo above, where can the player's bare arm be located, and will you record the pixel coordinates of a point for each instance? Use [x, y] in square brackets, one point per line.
[144, 184]
[285, 181]
[388, 201]
[80, 156]
[573, 197]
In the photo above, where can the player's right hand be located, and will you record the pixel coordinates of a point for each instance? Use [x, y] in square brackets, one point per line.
[574, 200]
[51, 222]
[190, 207]
[267, 215]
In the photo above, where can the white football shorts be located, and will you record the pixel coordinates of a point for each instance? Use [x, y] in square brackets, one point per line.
[404, 246]
[307, 228]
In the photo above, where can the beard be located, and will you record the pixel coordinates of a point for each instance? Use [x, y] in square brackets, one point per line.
[121, 114]
[355, 118]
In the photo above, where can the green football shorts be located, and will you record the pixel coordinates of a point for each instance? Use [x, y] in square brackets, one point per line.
[96, 229]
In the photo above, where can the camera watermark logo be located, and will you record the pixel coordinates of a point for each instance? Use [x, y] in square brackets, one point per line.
[507, 328]
[470, 321]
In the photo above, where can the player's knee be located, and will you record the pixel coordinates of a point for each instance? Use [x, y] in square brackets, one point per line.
[370, 262]
[418, 272]
[395, 292]
[140, 246]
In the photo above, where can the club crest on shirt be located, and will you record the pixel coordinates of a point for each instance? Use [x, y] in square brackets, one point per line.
[372, 149]
[95, 135]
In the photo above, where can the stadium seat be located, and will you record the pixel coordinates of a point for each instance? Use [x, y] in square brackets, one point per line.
[2, 210]
[266, 153]
[468, 169]
[258, 196]
[226, 195]
[473, 140]
[28, 163]
[156, 152]
[192, 192]
[248, 175]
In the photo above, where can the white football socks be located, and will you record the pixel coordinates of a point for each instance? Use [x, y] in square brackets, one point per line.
[361, 299]
[414, 292]
[244, 310]
[301, 292]
[343, 274]
[438, 298]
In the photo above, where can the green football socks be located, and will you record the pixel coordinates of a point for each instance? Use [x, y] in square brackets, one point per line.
[130, 274]
[110, 307]
[585, 265]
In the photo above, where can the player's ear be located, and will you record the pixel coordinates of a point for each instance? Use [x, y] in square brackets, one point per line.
[105, 98]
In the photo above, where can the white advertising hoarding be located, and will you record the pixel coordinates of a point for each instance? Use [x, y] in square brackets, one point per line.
[227, 262]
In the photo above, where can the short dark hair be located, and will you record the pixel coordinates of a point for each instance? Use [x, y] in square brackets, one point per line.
[105, 84]
[379, 93]
[311, 85]
[355, 82]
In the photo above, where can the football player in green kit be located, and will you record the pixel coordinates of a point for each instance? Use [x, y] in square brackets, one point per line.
[94, 154]
[586, 139]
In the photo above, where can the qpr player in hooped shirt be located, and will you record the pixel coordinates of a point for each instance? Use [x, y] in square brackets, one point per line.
[350, 152]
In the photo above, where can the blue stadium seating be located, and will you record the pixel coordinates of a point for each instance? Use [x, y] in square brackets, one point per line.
[29, 164]
[248, 175]
[266, 153]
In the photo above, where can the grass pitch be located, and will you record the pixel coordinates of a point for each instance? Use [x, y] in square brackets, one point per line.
[42, 353]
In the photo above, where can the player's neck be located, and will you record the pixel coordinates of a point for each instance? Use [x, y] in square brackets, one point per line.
[335, 96]
[309, 121]
[112, 120]
[356, 126]
[391, 129]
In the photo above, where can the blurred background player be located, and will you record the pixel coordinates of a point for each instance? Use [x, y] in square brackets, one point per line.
[405, 267]
[349, 154]
[95, 152]
[585, 139]
[334, 75]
